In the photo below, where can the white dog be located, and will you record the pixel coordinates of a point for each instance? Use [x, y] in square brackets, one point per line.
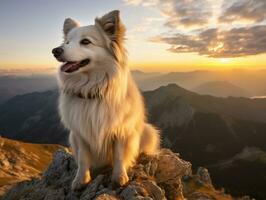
[99, 101]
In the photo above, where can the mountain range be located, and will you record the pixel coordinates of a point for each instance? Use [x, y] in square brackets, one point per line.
[238, 83]
[218, 133]
[12, 85]
[221, 89]
[213, 132]
[252, 82]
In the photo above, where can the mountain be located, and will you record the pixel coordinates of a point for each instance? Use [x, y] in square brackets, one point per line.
[221, 89]
[33, 118]
[18, 84]
[25, 117]
[252, 81]
[21, 161]
[150, 178]
[184, 79]
[246, 167]
[12, 85]
[234, 107]
[206, 130]
[141, 76]
[218, 127]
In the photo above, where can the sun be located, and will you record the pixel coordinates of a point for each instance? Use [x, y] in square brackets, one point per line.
[224, 60]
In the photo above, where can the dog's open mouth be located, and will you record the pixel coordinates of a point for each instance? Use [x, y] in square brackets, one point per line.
[69, 67]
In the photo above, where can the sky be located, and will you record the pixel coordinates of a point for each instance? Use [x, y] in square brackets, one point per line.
[162, 35]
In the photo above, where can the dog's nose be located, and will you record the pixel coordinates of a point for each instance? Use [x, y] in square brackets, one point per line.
[57, 51]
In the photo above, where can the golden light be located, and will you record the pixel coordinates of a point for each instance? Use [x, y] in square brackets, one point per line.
[216, 47]
[224, 60]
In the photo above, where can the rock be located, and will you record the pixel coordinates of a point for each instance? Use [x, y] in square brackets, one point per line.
[61, 170]
[105, 197]
[204, 176]
[143, 190]
[164, 176]
[153, 177]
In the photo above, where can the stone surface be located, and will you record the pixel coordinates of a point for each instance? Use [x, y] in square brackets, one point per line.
[204, 175]
[153, 177]
[164, 176]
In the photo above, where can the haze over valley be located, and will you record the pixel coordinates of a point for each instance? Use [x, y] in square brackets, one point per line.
[238, 82]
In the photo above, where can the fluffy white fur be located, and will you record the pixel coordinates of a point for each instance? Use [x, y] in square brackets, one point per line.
[110, 129]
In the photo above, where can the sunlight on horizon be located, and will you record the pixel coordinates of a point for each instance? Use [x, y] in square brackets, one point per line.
[212, 41]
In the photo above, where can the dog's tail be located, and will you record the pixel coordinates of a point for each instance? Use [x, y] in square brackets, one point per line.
[150, 140]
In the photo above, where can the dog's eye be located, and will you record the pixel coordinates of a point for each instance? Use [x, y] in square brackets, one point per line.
[85, 41]
[67, 42]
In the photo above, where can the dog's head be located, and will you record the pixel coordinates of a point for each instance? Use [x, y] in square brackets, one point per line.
[90, 47]
[92, 54]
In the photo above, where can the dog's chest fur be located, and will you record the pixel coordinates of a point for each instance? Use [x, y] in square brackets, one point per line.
[90, 118]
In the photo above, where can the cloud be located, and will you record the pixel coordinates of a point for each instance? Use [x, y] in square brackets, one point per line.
[239, 10]
[133, 2]
[185, 13]
[210, 40]
[217, 43]
[141, 2]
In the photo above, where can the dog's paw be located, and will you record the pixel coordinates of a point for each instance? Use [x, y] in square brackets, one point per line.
[79, 182]
[119, 179]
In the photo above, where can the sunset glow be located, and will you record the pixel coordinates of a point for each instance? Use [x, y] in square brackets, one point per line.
[162, 36]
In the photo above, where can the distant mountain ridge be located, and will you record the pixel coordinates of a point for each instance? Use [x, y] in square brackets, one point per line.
[236, 107]
[221, 89]
[12, 85]
[252, 81]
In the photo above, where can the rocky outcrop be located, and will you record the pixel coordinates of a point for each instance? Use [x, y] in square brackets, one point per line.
[156, 177]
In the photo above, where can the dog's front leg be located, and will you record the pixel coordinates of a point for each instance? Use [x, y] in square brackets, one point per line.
[125, 153]
[83, 159]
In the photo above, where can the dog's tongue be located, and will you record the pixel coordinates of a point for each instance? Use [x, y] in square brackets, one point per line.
[70, 66]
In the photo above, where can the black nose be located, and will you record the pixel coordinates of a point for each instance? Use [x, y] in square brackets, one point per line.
[57, 51]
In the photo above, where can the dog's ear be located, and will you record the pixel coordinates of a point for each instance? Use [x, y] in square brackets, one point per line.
[69, 24]
[112, 25]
